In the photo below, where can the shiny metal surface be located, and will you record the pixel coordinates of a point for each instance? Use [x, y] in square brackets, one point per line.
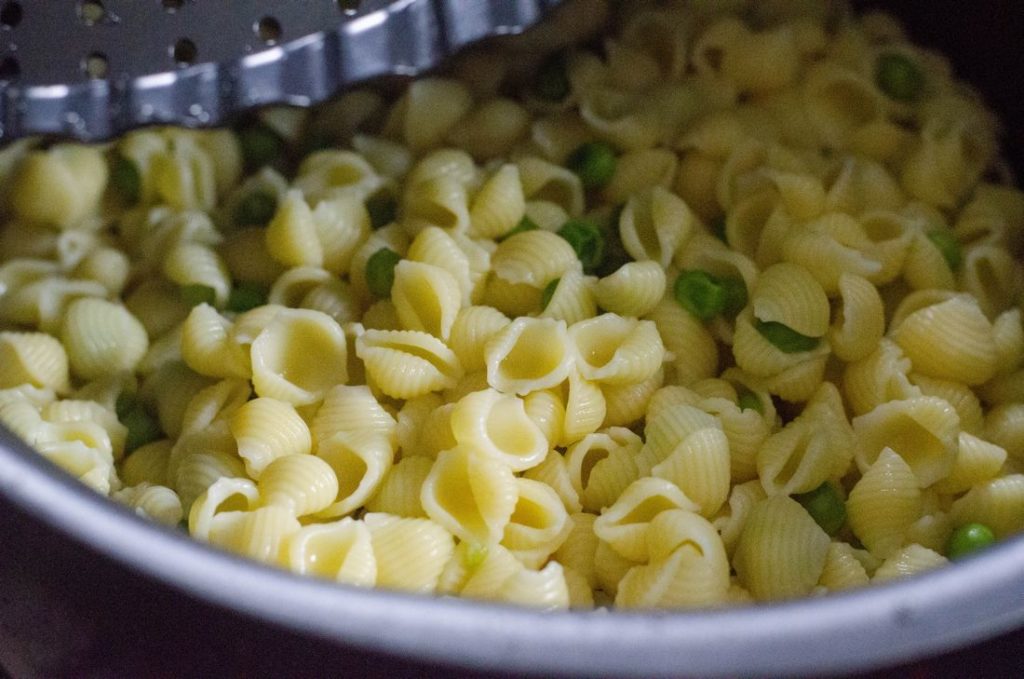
[92, 70]
[842, 633]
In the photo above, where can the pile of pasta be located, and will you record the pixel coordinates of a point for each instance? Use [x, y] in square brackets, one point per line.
[703, 311]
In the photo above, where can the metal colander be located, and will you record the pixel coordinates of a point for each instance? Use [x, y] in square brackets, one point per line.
[92, 69]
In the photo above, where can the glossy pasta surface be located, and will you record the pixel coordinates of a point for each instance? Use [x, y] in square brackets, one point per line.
[662, 304]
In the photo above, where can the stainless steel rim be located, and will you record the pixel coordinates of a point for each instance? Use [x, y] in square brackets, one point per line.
[882, 625]
[230, 70]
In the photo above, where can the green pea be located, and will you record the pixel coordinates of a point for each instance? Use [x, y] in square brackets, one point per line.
[260, 145]
[142, 428]
[126, 402]
[825, 506]
[126, 180]
[786, 339]
[549, 292]
[968, 539]
[735, 292]
[949, 247]
[700, 293]
[195, 294]
[382, 208]
[525, 224]
[748, 400]
[256, 208]
[899, 77]
[380, 272]
[594, 163]
[586, 239]
[246, 296]
[552, 81]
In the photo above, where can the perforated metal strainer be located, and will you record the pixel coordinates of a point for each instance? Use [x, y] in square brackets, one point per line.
[92, 69]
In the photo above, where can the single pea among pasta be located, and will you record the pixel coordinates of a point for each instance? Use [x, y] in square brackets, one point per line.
[594, 163]
[380, 272]
[142, 427]
[245, 296]
[126, 180]
[195, 294]
[748, 400]
[707, 296]
[786, 339]
[825, 506]
[382, 208]
[586, 239]
[949, 247]
[552, 81]
[700, 294]
[548, 293]
[260, 145]
[899, 77]
[257, 208]
[969, 538]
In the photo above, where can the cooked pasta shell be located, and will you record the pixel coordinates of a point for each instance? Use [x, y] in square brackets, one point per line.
[499, 205]
[554, 472]
[612, 349]
[352, 409]
[880, 377]
[305, 484]
[733, 516]
[549, 182]
[267, 429]
[585, 409]
[998, 504]
[340, 551]
[655, 224]
[884, 504]
[435, 246]
[529, 354]
[408, 363]
[688, 568]
[923, 431]
[668, 428]
[360, 461]
[688, 340]
[910, 560]
[789, 294]
[101, 338]
[473, 496]
[157, 503]
[601, 466]
[534, 258]
[33, 358]
[207, 345]
[627, 404]
[226, 494]
[624, 525]
[539, 524]
[781, 552]
[426, 298]
[399, 492]
[699, 466]
[497, 425]
[951, 340]
[634, 289]
[473, 327]
[298, 356]
[842, 569]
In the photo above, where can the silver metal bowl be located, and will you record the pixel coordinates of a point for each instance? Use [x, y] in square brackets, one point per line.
[88, 589]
